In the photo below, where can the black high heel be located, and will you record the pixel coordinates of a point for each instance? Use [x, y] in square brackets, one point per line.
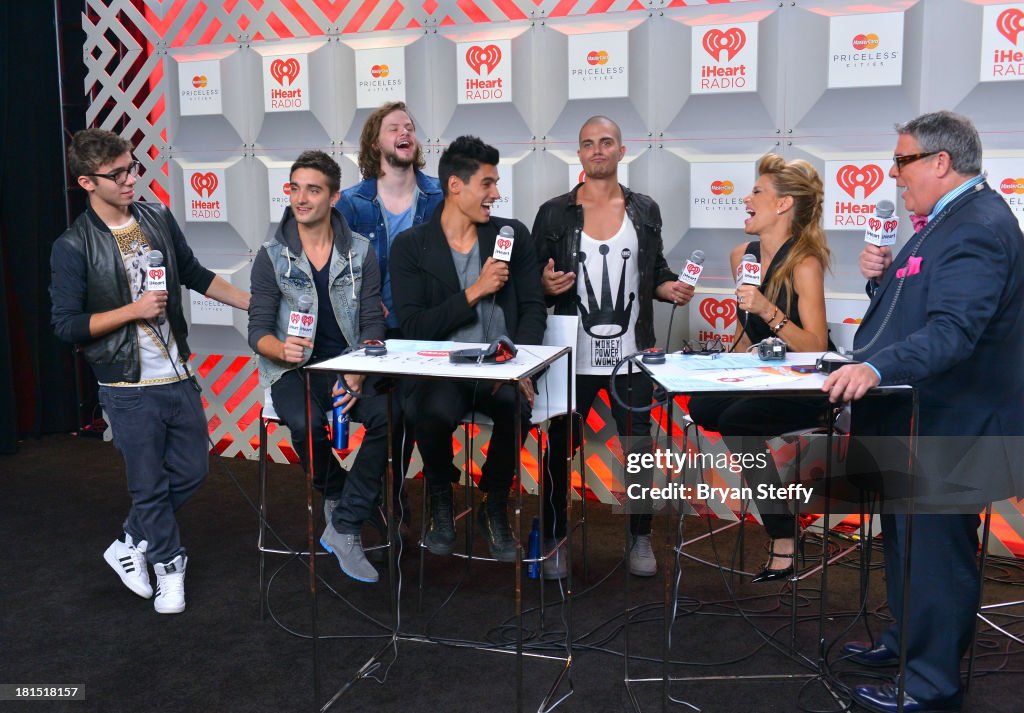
[776, 575]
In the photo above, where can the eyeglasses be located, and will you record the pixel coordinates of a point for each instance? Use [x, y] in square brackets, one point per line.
[120, 176]
[902, 161]
[711, 346]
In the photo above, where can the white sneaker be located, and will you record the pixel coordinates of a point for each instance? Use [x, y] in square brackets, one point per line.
[642, 562]
[129, 561]
[170, 586]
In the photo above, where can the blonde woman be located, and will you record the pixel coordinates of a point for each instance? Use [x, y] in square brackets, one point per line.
[784, 212]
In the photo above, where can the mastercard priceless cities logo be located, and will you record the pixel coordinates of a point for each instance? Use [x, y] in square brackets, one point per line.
[379, 70]
[1012, 186]
[722, 188]
[597, 57]
[865, 42]
[199, 81]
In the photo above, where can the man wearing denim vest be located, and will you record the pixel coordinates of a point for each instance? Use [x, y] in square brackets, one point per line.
[393, 196]
[315, 254]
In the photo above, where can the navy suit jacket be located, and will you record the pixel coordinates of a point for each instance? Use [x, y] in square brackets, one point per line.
[956, 333]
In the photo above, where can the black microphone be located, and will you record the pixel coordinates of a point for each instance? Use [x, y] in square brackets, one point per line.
[881, 228]
[300, 322]
[693, 268]
[503, 244]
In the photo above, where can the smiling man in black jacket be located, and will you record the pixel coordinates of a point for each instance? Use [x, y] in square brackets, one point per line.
[447, 286]
[609, 237]
[133, 336]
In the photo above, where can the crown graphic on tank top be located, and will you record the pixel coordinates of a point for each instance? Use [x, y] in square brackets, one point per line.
[607, 319]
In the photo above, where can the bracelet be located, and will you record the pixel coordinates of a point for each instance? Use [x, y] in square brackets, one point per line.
[774, 315]
[780, 325]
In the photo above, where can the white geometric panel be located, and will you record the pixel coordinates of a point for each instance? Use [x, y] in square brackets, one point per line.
[866, 50]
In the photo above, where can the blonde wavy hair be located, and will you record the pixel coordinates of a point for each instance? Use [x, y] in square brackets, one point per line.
[799, 180]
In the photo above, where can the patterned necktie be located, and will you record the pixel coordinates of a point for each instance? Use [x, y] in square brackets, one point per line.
[919, 221]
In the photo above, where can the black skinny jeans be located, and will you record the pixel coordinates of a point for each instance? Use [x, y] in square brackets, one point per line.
[746, 425]
[360, 488]
[555, 473]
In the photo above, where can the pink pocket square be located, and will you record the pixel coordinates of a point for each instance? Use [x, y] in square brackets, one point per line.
[913, 267]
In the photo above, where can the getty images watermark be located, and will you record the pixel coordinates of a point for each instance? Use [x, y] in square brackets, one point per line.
[735, 462]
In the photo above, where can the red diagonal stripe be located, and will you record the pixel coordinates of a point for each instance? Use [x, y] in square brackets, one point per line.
[161, 26]
[390, 17]
[246, 419]
[208, 365]
[190, 24]
[243, 391]
[563, 8]
[599, 6]
[210, 34]
[280, 28]
[473, 12]
[303, 18]
[331, 9]
[510, 10]
[360, 17]
[236, 365]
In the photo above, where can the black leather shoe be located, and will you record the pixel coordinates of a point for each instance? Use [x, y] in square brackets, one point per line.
[883, 699]
[777, 575]
[863, 653]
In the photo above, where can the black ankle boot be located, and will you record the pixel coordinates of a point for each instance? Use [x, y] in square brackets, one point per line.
[440, 537]
[493, 517]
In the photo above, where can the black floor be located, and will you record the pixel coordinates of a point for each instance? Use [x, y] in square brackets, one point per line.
[65, 618]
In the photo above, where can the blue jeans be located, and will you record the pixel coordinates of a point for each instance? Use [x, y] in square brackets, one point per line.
[162, 433]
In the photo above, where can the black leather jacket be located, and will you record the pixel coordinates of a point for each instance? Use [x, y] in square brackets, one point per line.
[87, 277]
[556, 234]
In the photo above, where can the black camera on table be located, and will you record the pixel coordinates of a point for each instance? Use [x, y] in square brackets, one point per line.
[771, 349]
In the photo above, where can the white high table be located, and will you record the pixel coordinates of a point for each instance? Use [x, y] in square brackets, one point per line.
[745, 376]
[407, 359]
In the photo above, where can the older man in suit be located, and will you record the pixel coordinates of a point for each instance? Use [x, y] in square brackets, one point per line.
[947, 317]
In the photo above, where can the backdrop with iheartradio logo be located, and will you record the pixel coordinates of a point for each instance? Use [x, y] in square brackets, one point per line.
[219, 98]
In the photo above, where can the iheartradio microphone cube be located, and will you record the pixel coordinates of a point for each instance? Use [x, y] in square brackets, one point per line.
[748, 273]
[691, 273]
[301, 324]
[693, 268]
[156, 275]
[503, 244]
[881, 232]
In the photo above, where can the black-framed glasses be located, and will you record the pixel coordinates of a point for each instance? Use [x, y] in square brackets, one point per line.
[711, 346]
[903, 160]
[120, 176]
